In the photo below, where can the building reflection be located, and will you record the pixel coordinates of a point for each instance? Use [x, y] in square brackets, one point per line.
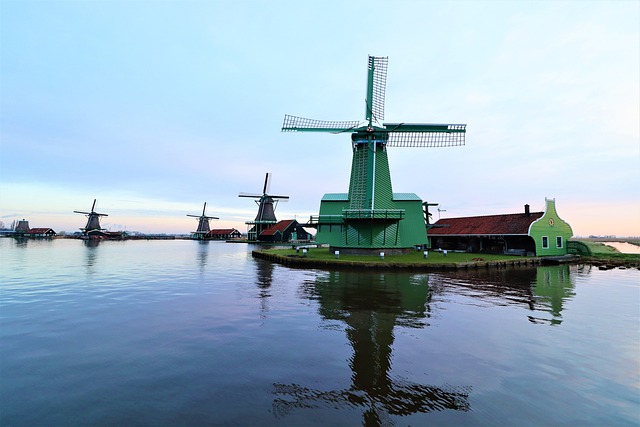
[542, 290]
[371, 306]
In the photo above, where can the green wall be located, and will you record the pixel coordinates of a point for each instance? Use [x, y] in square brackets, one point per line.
[553, 228]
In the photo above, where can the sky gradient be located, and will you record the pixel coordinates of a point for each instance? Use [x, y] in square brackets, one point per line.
[154, 107]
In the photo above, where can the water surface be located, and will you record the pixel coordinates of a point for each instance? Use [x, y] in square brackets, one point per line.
[200, 333]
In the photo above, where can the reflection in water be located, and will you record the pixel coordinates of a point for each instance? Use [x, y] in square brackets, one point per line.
[21, 242]
[371, 305]
[264, 277]
[541, 289]
[92, 253]
[203, 254]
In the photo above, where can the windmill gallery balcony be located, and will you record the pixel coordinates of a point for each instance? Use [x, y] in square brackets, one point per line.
[358, 215]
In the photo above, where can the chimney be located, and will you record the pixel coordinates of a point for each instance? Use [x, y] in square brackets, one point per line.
[526, 210]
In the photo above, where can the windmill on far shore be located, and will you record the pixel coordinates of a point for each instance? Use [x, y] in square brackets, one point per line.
[203, 224]
[267, 204]
[92, 229]
[370, 216]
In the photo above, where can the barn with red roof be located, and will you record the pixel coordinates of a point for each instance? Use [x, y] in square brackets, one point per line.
[532, 233]
[223, 234]
[284, 231]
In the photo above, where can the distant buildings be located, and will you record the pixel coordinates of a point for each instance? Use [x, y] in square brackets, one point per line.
[22, 229]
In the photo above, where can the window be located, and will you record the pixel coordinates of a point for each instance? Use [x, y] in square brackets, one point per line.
[558, 241]
[545, 242]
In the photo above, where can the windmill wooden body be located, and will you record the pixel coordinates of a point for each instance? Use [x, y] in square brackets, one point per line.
[267, 204]
[203, 224]
[93, 228]
[371, 217]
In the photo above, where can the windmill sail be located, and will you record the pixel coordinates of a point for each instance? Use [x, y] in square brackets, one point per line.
[425, 135]
[376, 85]
[300, 124]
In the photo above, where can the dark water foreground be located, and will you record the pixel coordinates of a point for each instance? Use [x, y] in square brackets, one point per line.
[200, 333]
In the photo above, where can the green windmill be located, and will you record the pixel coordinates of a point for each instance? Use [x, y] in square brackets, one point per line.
[371, 217]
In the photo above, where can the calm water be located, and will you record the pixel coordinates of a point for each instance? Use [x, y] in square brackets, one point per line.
[189, 333]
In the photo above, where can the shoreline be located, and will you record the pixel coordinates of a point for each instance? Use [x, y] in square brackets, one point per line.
[300, 261]
[297, 261]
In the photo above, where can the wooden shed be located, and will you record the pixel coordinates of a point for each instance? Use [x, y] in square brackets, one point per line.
[531, 233]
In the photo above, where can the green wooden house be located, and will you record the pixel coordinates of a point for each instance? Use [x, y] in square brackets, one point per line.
[533, 233]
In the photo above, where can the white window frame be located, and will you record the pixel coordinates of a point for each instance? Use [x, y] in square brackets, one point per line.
[561, 240]
[545, 242]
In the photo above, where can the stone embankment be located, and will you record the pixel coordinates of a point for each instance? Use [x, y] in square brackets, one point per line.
[299, 261]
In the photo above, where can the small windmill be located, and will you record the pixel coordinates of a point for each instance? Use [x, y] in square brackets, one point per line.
[370, 215]
[93, 222]
[203, 224]
[267, 204]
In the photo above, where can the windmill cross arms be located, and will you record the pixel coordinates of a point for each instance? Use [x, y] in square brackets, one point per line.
[203, 216]
[425, 134]
[259, 196]
[91, 213]
[301, 124]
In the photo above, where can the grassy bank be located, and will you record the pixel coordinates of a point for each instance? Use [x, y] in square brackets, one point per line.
[609, 256]
[323, 254]
[321, 257]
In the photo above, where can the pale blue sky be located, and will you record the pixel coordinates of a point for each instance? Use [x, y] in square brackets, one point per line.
[156, 107]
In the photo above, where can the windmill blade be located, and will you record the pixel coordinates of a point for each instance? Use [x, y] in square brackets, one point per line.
[204, 207]
[195, 216]
[94, 205]
[253, 196]
[425, 135]
[84, 213]
[376, 87]
[283, 198]
[301, 124]
[267, 183]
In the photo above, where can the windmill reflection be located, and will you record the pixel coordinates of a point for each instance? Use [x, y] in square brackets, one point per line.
[264, 277]
[203, 254]
[371, 305]
[91, 254]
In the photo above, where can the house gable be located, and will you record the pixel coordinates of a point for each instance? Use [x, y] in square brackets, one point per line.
[550, 233]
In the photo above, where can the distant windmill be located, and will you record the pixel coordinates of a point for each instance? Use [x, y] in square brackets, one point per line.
[93, 222]
[267, 203]
[371, 216]
[203, 224]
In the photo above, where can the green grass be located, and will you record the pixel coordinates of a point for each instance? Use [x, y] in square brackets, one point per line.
[323, 254]
[598, 248]
[603, 254]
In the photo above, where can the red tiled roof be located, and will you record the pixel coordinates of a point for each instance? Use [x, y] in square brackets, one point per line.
[280, 226]
[507, 224]
[38, 230]
[222, 231]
